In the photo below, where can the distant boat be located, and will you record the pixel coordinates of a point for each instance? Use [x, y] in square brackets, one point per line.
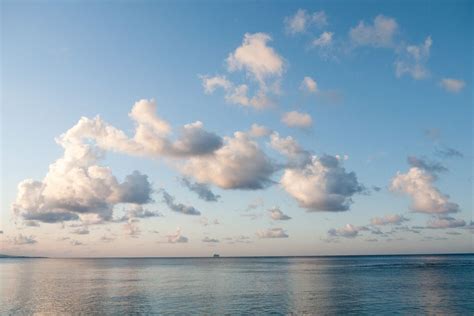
[216, 255]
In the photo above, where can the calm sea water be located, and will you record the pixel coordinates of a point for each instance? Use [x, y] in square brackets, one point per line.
[335, 285]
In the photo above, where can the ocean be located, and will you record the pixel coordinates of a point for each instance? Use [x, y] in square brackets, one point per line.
[431, 284]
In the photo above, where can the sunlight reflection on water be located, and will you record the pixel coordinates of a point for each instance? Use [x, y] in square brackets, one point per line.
[374, 285]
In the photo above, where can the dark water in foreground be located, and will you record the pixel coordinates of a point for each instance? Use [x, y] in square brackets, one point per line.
[334, 285]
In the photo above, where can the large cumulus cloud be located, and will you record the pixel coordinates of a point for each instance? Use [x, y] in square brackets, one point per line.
[70, 191]
[418, 184]
[238, 164]
[321, 185]
[152, 135]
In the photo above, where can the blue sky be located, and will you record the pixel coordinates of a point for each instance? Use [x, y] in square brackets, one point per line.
[63, 61]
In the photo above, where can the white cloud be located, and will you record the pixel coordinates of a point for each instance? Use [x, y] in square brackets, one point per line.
[446, 222]
[380, 34]
[76, 187]
[319, 18]
[239, 164]
[289, 147]
[308, 84]
[195, 140]
[388, 219]
[277, 215]
[239, 95]
[426, 198]
[151, 136]
[258, 131]
[261, 63]
[301, 20]
[210, 84]
[272, 233]
[452, 85]
[297, 23]
[321, 185]
[348, 231]
[324, 40]
[144, 113]
[177, 238]
[256, 58]
[413, 60]
[297, 119]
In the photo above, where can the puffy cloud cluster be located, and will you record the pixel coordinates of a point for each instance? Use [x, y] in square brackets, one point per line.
[260, 62]
[413, 59]
[452, 85]
[277, 215]
[178, 207]
[152, 135]
[379, 34]
[202, 190]
[389, 220]
[272, 233]
[297, 119]
[321, 185]
[75, 186]
[418, 183]
[301, 20]
[238, 164]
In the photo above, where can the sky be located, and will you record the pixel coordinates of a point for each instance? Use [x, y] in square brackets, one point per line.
[158, 128]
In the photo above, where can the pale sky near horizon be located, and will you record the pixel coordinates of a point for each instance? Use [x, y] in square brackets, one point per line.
[156, 128]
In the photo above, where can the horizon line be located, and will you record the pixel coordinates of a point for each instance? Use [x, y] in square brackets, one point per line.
[243, 257]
